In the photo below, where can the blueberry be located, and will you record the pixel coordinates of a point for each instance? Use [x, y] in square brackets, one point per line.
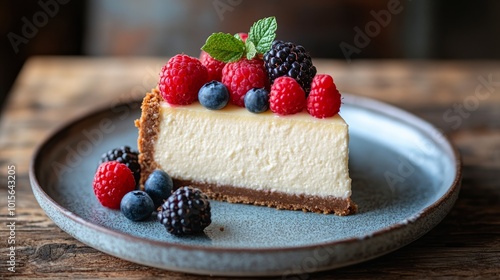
[137, 205]
[158, 186]
[257, 100]
[213, 95]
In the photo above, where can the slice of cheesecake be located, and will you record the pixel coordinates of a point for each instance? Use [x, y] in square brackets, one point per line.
[294, 162]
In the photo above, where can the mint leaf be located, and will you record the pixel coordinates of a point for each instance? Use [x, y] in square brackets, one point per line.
[251, 51]
[224, 47]
[262, 34]
[237, 36]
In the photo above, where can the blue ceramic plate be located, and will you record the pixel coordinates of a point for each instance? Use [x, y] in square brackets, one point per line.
[405, 175]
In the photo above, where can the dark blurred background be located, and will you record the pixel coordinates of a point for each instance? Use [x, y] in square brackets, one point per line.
[404, 29]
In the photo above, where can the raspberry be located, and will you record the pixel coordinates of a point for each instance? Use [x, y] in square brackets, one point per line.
[186, 211]
[243, 36]
[112, 181]
[287, 96]
[243, 75]
[126, 156]
[288, 59]
[324, 99]
[214, 66]
[181, 78]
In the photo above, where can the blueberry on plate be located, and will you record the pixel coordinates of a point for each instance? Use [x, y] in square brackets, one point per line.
[213, 95]
[158, 186]
[257, 100]
[137, 205]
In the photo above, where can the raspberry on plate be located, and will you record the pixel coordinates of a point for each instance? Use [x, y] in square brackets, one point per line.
[243, 75]
[324, 100]
[286, 97]
[186, 211]
[214, 66]
[112, 181]
[181, 78]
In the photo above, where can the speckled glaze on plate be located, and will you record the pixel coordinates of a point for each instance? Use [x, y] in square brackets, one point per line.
[406, 178]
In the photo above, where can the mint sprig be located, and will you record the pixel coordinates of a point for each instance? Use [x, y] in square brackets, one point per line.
[262, 34]
[229, 48]
[224, 47]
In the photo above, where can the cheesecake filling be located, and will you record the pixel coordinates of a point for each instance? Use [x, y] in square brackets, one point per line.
[234, 147]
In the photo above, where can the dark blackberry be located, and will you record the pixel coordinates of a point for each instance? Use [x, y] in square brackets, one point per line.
[288, 59]
[186, 211]
[127, 156]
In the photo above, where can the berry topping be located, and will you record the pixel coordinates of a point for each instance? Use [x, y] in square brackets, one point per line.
[288, 59]
[213, 95]
[241, 76]
[287, 96]
[257, 100]
[324, 100]
[181, 78]
[186, 211]
[214, 66]
[137, 205]
[112, 181]
[158, 186]
[126, 156]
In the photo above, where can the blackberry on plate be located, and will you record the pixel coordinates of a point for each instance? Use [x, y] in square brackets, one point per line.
[288, 59]
[127, 156]
[186, 211]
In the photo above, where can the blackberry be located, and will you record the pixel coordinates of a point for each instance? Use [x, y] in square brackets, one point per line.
[127, 156]
[186, 211]
[288, 59]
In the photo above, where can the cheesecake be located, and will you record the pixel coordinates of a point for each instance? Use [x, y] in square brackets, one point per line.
[293, 162]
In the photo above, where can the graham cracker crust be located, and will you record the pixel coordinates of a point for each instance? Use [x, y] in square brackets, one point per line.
[148, 126]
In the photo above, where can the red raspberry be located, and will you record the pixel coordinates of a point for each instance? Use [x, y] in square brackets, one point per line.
[181, 78]
[112, 181]
[243, 75]
[287, 96]
[243, 36]
[214, 66]
[324, 98]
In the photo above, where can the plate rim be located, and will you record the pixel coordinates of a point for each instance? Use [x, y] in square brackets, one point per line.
[360, 101]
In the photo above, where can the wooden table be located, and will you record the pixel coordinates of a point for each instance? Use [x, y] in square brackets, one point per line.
[461, 98]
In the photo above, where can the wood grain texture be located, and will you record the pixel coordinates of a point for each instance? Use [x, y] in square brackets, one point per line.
[452, 95]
